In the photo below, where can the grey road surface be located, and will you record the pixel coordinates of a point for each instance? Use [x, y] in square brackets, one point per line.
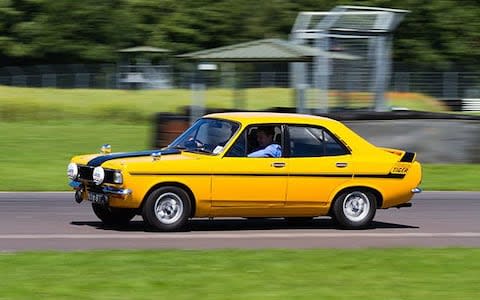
[30, 221]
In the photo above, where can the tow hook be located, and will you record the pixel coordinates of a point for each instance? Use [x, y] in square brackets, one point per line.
[78, 196]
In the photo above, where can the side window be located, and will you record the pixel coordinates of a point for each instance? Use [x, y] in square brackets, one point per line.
[313, 142]
[255, 138]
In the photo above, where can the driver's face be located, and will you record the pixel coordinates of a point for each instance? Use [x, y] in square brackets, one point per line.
[263, 139]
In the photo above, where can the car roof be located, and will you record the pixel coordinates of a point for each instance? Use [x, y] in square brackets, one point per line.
[271, 117]
[355, 142]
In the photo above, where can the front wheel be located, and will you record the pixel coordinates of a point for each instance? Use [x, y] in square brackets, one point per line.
[113, 215]
[354, 209]
[167, 209]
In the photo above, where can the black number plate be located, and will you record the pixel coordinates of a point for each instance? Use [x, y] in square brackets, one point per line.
[97, 198]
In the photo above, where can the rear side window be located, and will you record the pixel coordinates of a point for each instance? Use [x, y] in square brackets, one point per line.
[308, 141]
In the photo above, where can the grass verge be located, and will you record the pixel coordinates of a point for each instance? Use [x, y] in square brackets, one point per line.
[243, 274]
[451, 177]
[18, 104]
[34, 156]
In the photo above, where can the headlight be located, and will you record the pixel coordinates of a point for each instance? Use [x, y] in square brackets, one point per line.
[72, 171]
[117, 177]
[98, 175]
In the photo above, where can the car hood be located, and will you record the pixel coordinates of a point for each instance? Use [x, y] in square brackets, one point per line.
[99, 160]
[123, 159]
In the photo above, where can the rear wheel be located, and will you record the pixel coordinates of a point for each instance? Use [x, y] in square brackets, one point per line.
[167, 209]
[113, 215]
[354, 209]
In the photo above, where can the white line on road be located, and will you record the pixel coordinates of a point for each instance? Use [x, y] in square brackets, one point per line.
[180, 236]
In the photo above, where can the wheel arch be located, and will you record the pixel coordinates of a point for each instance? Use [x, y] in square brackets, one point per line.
[177, 184]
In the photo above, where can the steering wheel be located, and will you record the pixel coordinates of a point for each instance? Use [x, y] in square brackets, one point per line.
[194, 143]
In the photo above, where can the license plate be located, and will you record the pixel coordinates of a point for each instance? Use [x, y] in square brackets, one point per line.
[97, 198]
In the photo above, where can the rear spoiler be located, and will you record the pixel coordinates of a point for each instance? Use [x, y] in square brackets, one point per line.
[405, 155]
[408, 157]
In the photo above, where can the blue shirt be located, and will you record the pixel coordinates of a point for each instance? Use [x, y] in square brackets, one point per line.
[273, 150]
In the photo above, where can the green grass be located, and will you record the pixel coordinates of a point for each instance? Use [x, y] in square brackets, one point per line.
[451, 177]
[131, 106]
[243, 274]
[33, 156]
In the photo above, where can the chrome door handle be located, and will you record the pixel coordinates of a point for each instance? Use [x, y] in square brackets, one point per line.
[278, 165]
[341, 164]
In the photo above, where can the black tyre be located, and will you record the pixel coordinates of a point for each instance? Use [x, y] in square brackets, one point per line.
[298, 220]
[354, 209]
[167, 209]
[113, 215]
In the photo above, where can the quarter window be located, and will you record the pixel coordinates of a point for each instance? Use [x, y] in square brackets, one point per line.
[313, 142]
[239, 148]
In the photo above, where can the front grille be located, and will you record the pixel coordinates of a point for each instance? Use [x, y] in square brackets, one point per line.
[86, 173]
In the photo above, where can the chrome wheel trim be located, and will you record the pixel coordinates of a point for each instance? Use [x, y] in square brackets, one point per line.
[356, 206]
[168, 208]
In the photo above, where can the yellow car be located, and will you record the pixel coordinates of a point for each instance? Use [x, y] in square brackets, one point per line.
[249, 165]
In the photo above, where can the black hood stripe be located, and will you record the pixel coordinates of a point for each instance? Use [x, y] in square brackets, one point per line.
[99, 160]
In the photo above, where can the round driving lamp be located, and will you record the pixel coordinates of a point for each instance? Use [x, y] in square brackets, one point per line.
[98, 175]
[72, 171]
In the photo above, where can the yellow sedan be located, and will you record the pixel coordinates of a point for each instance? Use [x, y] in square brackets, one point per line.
[249, 165]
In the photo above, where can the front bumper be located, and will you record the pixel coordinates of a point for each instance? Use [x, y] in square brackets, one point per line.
[116, 191]
[82, 191]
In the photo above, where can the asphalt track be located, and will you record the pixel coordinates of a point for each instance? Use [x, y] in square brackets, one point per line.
[47, 221]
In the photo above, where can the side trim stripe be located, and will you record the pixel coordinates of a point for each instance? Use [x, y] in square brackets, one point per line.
[391, 176]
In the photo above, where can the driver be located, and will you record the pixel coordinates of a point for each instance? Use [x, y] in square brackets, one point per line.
[267, 148]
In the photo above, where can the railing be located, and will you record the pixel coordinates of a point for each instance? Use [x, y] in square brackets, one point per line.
[448, 86]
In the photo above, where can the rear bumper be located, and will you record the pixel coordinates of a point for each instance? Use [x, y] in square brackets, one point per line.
[416, 190]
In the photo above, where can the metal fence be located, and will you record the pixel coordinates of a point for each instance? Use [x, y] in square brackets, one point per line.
[440, 85]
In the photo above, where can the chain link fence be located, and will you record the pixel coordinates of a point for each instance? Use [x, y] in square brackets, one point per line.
[450, 87]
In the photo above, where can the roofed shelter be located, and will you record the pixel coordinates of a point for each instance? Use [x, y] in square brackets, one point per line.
[265, 50]
[144, 49]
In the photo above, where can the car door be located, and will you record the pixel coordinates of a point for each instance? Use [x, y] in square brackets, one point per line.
[318, 164]
[241, 181]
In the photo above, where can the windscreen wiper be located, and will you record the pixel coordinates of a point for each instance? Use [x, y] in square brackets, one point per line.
[201, 150]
